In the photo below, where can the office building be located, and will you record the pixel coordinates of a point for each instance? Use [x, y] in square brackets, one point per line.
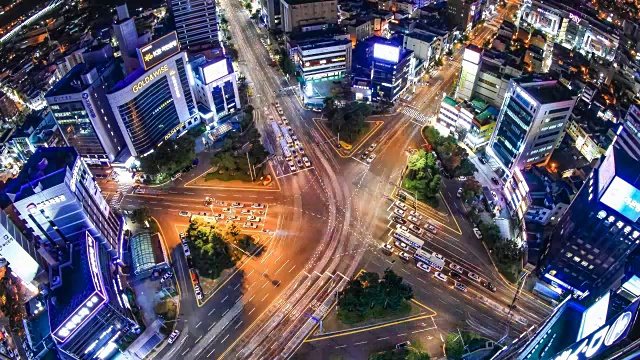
[319, 58]
[78, 237]
[79, 105]
[196, 24]
[125, 31]
[572, 27]
[588, 247]
[298, 13]
[391, 70]
[629, 136]
[464, 14]
[469, 71]
[215, 89]
[270, 13]
[481, 129]
[531, 122]
[155, 102]
[19, 251]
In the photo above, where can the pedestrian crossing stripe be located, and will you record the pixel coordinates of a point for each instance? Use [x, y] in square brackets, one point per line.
[415, 114]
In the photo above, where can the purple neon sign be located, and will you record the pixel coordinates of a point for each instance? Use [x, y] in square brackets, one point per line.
[93, 303]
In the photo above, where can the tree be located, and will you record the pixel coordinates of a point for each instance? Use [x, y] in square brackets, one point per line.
[285, 63]
[140, 215]
[348, 120]
[170, 157]
[490, 233]
[166, 309]
[225, 161]
[417, 161]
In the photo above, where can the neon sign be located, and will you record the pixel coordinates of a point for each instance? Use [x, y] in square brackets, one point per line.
[74, 175]
[575, 18]
[147, 79]
[173, 131]
[159, 50]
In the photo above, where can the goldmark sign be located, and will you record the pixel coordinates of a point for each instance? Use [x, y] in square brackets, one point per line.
[150, 77]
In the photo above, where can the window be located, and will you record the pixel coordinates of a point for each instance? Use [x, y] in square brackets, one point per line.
[555, 111]
[576, 259]
[584, 263]
[569, 254]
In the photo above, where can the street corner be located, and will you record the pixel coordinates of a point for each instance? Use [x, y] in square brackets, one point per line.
[267, 182]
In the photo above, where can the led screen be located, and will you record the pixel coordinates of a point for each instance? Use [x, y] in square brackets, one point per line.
[471, 56]
[215, 71]
[594, 317]
[386, 52]
[623, 198]
[159, 50]
[632, 286]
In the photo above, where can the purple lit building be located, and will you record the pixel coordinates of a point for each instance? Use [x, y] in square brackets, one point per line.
[78, 237]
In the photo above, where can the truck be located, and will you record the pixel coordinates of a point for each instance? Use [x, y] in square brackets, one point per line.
[285, 149]
[276, 130]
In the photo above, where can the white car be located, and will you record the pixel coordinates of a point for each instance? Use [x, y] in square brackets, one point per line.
[415, 229]
[184, 213]
[401, 205]
[474, 277]
[431, 228]
[416, 214]
[253, 218]
[495, 196]
[280, 112]
[306, 161]
[371, 158]
[292, 166]
[398, 212]
[372, 147]
[401, 227]
[284, 120]
[250, 225]
[198, 293]
[462, 178]
[460, 286]
[174, 335]
[257, 206]
[219, 216]
[438, 256]
[440, 276]
[477, 233]
[236, 205]
[246, 212]
[226, 210]
[423, 266]
[401, 245]
[413, 219]
[387, 248]
[404, 256]
[457, 268]
[300, 149]
[187, 252]
[459, 194]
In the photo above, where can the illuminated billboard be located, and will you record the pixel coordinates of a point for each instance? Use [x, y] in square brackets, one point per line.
[386, 52]
[614, 331]
[632, 286]
[92, 303]
[159, 50]
[623, 198]
[471, 56]
[594, 317]
[215, 71]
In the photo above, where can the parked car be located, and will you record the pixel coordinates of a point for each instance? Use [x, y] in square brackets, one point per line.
[495, 180]
[457, 268]
[257, 206]
[477, 233]
[404, 256]
[250, 225]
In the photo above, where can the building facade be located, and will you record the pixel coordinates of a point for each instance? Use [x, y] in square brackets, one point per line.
[469, 72]
[531, 122]
[215, 89]
[297, 13]
[154, 104]
[391, 70]
[629, 136]
[319, 60]
[589, 245]
[196, 24]
[79, 105]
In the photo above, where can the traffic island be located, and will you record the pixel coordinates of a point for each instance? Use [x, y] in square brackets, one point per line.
[345, 149]
[216, 179]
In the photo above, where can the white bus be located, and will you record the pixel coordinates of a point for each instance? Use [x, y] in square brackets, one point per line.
[429, 259]
[276, 130]
[408, 238]
[285, 149]
[285, 134]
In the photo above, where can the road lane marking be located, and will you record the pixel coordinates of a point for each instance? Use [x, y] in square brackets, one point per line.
[403, 334]
[265, 284]
[341, 346]
[280, 268]
[199, 338]
[240, 323]
[209, 355]
[251, 311]
[360, 343]
[225, 313]
[252, 270]
[384, 338]
[225, 338]
[413, 332]
[198, 325]
[211, 312]
[225, 298]
[251, 298]
[264, 297]
[237, 286]
[292, 268]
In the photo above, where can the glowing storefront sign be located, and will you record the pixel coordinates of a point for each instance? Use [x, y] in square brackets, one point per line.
[159, 50]
[140, 84]
[594, 317]
[173, 131]
[575, 18]
[92, 304]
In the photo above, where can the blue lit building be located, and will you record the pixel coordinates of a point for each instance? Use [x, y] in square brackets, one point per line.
[215, 88]
[78, 238]
[588, 248]
[392, 68]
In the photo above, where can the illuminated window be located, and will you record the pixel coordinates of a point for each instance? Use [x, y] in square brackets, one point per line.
[619, 224]
[584, 263]
[576, 259]
[627, 229]
[602, 214]
[569, 254]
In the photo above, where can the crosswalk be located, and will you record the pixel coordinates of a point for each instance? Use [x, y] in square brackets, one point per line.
[123, 189]
[417, 115]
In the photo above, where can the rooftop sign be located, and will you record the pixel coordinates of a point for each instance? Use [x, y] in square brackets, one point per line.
[386, 52]
[159, 50]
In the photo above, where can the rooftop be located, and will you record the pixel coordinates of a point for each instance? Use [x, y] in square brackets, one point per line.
[546, 92]
[44, 169]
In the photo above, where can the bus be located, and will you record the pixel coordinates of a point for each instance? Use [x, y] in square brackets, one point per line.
[408, 238]
[285, 134]
[285, 149]
[276, 130]
[429, 259]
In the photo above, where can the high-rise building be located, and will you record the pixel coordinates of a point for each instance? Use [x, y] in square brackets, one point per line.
[469, 72]
[629, 137]
[531, 122]
[465, 14]
[270, 13]
[78, 236]
[391, 68]
[155, 102]
[297, 13]
[18, 250]
[79, 104]
[57, 198]
[127, 36]
[588, 247]
[215, 88]
[196, 24]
